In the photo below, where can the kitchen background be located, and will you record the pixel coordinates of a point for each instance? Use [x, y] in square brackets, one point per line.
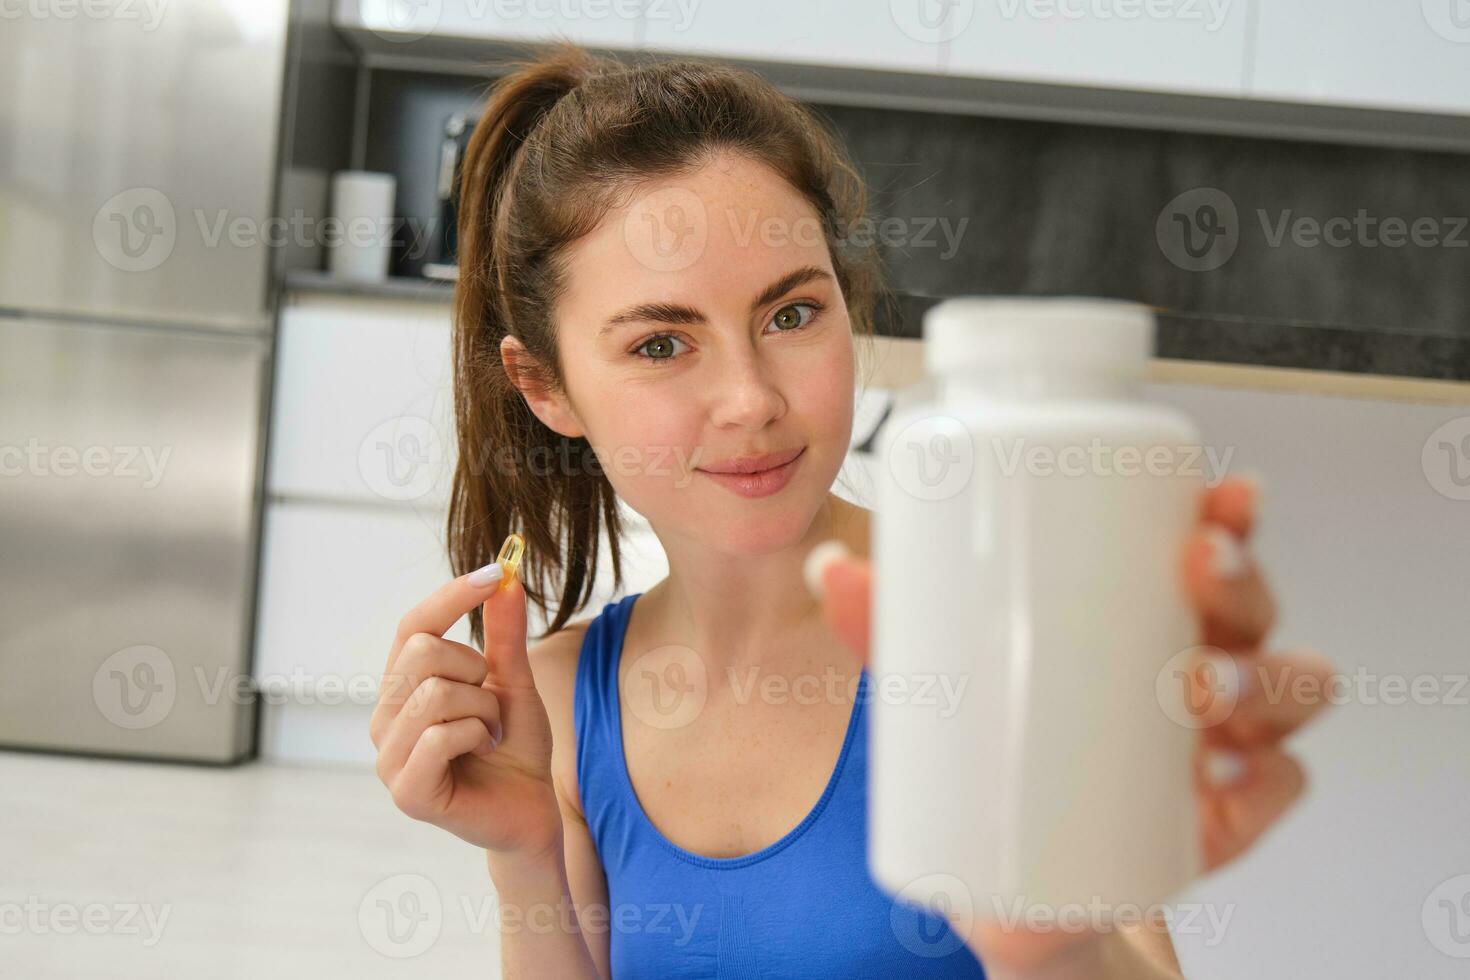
[224, 466]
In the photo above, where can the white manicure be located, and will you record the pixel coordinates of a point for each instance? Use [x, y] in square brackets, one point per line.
[1227, 557]
[815, 567]
[481, 577]
[1224, 767]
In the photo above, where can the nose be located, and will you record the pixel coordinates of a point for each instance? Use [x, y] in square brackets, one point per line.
[745, 393]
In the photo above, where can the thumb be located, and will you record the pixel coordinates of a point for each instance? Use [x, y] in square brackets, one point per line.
[504, 617]
[843, 582]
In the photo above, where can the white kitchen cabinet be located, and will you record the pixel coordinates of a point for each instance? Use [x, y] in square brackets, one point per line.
[335, 580]
[1395, 54]
[598, 23]
[363, 403]
[1194, 47]
[834, 33]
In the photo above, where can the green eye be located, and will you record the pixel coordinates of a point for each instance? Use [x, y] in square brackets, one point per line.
[660, 348]
[794, 316]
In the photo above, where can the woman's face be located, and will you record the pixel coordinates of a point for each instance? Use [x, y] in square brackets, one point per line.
[703, 322]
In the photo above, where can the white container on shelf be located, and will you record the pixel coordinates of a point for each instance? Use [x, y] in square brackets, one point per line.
[361, 241]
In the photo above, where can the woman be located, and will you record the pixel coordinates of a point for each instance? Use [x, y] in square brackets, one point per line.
[655, 292]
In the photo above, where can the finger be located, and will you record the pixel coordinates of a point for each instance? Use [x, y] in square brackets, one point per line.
[423, 655]
[844, 583]
[1225, 584]
[1241, 799]
[1023, 948]
[443, 608]
[506, 656]
[422, 787]
[1233, 502]
[434, 702]
[1275, 694]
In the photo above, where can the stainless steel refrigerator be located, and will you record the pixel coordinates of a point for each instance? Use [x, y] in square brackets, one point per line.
[138, 154]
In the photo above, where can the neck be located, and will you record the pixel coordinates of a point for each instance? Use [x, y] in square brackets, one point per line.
[742, 609]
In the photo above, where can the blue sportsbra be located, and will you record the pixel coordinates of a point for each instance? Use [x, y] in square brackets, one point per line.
[804, 907]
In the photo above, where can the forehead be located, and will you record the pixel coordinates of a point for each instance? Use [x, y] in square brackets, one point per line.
[713, 236]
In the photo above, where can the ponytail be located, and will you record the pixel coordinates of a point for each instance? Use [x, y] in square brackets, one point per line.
[495, 491]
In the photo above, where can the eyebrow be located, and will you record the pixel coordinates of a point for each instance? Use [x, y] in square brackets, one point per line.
[675, 313]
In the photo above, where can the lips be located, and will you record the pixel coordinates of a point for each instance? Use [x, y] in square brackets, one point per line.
[754, 464]
[760, 482]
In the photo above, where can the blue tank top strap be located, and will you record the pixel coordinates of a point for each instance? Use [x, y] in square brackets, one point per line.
[598, 727]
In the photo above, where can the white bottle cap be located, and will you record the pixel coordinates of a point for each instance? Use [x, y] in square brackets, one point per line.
[981, 333]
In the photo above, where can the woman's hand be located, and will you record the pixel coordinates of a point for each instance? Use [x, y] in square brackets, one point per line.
[463, 739]
[1245, 780]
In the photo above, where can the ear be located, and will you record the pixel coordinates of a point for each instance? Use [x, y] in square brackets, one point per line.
[551, 407]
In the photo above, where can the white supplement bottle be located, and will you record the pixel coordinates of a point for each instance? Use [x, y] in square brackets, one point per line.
[1029, 752]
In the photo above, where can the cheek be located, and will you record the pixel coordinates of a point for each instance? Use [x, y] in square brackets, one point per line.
[822, 395]
[644, 435]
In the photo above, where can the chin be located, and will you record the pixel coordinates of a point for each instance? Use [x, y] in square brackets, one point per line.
[763, 525]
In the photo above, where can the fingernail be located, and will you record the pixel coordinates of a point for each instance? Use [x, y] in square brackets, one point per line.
[1253, 478]
[1224, 767]
[1230, 680]
[815, 567]
[1227, 557]
[488, 575]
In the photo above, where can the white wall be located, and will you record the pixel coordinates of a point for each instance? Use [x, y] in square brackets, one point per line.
[1371, 565]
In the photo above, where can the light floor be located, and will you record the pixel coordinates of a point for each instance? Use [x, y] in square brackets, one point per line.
[152, 870]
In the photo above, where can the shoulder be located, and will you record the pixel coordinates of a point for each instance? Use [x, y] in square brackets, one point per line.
[554, 660]
[554, 665]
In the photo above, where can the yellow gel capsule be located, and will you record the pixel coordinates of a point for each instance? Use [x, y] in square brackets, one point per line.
[510, 558]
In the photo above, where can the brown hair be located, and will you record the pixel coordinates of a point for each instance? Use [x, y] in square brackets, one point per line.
[560, 136]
